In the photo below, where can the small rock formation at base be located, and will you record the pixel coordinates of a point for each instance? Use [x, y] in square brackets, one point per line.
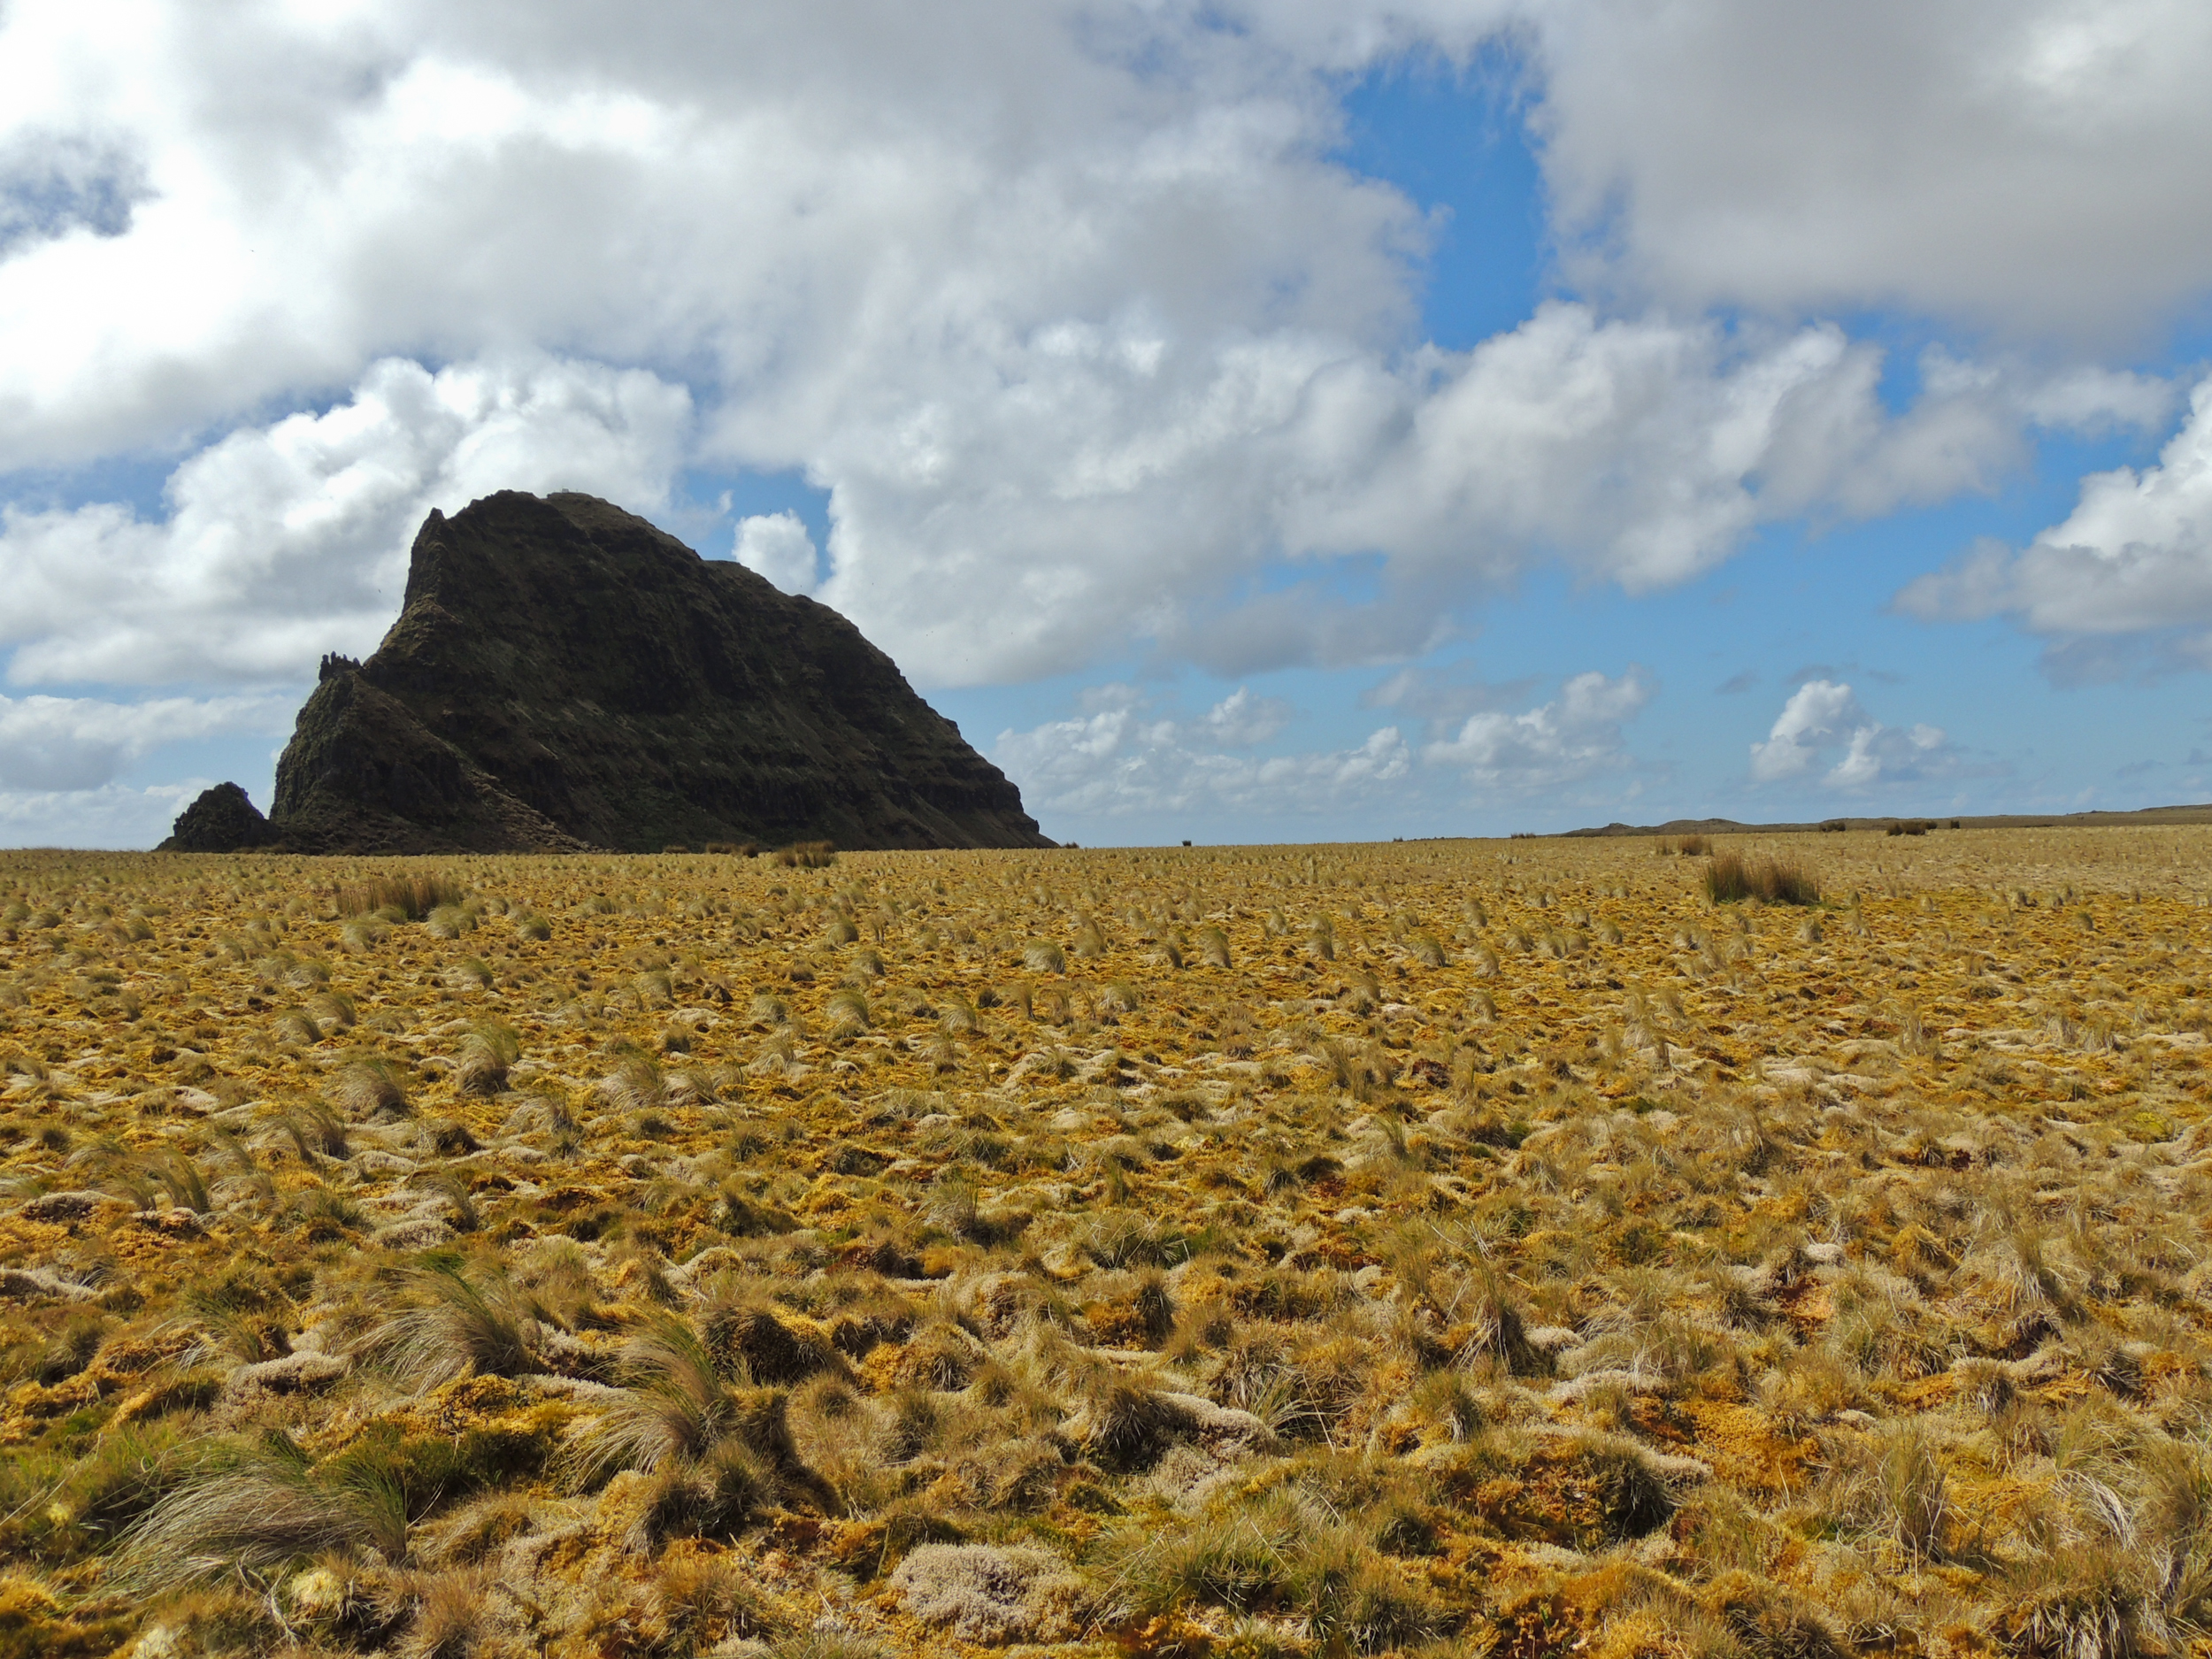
[564, 675]
[222, 821]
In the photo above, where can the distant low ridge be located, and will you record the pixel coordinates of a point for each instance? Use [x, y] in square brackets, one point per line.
[2149, 815]
[564, 675]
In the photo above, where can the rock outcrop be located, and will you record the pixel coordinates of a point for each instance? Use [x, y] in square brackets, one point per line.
[222, 821]
[565, 675]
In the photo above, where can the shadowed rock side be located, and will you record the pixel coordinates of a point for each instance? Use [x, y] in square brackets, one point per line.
[563, 674]
[362, 774]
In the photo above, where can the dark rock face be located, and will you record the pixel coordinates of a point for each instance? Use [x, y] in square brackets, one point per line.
[565, 675]
[222, 821]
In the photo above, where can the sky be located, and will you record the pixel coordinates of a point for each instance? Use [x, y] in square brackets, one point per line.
[1250, 422]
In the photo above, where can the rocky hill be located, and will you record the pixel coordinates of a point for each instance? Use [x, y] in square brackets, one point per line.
[563, 675]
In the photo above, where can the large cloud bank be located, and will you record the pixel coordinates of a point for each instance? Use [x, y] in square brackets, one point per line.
[1069, 306]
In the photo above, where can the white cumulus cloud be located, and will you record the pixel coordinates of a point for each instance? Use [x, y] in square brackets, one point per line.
[1066, 305]
[1120, 760]
[286, 540]
[1824, 717]
[1574, 737]
[2133, 557]
[1241, 720]
[2021, 164]
[777, 546]
[1643, 452]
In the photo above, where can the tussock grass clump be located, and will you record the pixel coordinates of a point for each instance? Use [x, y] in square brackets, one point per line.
[449, 921]
[1286, 1548]
[325, 1215]
[637, 1084]
[753, 1344]
[335, 1009]
[470, 973]
[1321, 939]
[181, 1182]
[315, 1131]
[360, 936]
[370, 1085]
[253, 1510]
[1123, 1238]
[1729, 877]
[450, 1616]
[709, 1599]
[1895, 1485]
[716, 1451]
[710, 1495]
[490, 1050]
[804, 856]
[413, 897]
[457, 1323]
[848, 1014]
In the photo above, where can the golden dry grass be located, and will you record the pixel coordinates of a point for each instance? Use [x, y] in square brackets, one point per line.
[1455, 1247]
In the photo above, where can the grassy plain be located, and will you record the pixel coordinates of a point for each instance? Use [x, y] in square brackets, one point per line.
[1484, 1248]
